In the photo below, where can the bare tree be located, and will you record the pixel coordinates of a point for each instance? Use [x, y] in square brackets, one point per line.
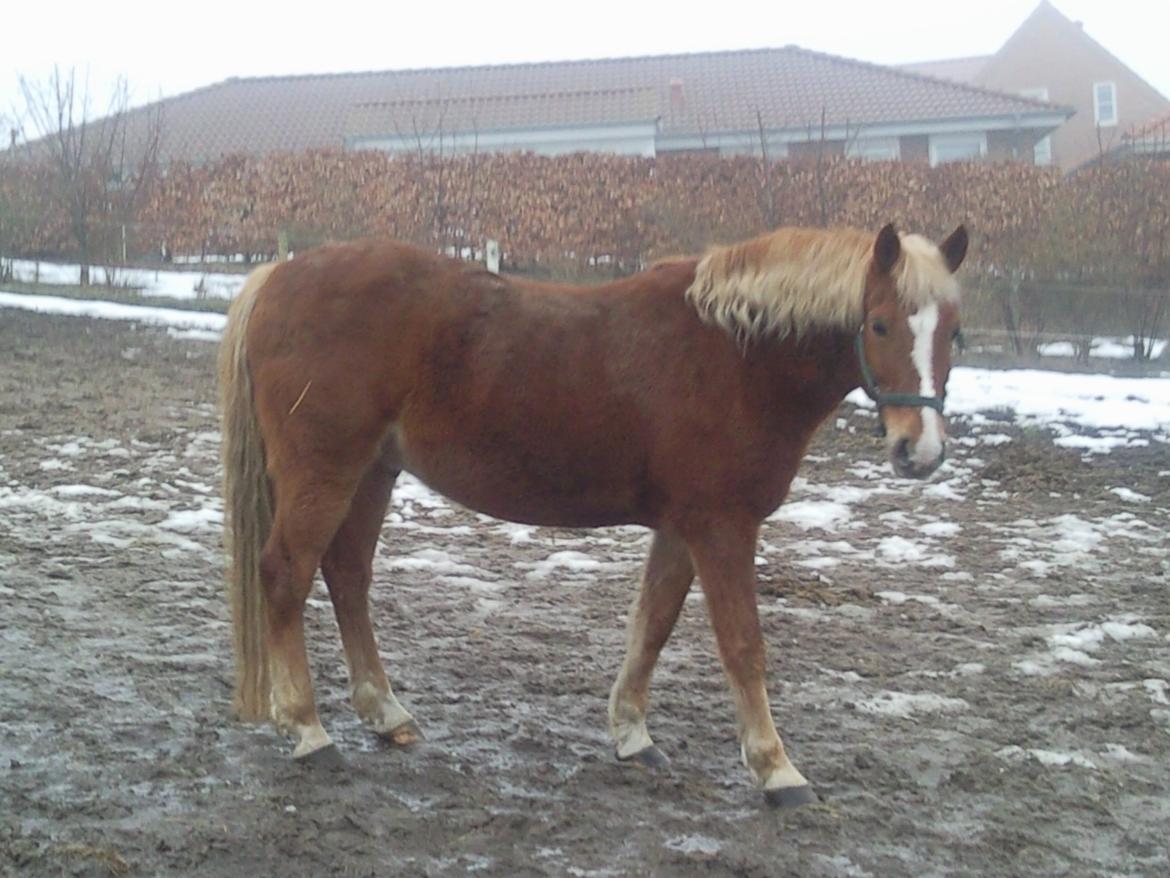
[439, 201]
[766, 192]
[435, 144]
[7, 209]
[829, 197]
[471, 210]
[102, 167]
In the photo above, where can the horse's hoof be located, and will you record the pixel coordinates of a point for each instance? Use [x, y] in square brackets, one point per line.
[648, 757]
[327, 758]
[406, 735]
[790, 797]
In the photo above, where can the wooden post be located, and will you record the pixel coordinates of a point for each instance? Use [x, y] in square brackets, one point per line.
[281, 245]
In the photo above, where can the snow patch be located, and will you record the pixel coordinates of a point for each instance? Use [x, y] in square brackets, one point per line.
[907, 704]
[191, 520]
[1129, 496]
[693, 845]
[1048, 758]
[574, 562]
[824, 515]
[940, 529]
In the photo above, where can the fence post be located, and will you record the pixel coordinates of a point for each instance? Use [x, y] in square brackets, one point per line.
[282, 245]
[491, 256]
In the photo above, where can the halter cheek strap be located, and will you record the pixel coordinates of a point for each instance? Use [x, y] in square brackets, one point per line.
[869, 384]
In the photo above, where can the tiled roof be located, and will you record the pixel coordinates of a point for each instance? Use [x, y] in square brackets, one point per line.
[411, 116]
[789, 88]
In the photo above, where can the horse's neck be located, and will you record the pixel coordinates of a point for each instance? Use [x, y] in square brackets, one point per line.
[816, 371]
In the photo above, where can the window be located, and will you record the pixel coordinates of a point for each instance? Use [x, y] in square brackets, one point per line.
[957, 147]
[1042, 151]
[1104, 104]
[776, 149]
[873, 149]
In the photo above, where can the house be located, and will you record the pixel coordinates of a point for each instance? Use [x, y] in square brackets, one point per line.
[787, 102]
[1052, 58]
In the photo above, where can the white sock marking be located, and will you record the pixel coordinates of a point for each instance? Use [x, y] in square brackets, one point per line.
[310, 740]
[631, 739]
[381, 711]
[784, 776]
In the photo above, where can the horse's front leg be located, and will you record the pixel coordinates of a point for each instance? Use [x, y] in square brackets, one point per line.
[724, 556]
[665, 582]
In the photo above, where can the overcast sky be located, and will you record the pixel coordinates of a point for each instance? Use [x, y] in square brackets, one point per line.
[162, 52]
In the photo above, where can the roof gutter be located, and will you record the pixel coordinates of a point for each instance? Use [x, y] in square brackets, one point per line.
[1041, 120]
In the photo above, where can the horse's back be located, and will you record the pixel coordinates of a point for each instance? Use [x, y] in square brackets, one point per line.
[330, 282]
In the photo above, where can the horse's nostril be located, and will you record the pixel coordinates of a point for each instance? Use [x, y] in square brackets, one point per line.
[902, 451]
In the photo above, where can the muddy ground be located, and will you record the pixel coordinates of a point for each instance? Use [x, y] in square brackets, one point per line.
[972, 673]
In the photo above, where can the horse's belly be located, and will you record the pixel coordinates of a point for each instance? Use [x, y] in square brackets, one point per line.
[531, 487]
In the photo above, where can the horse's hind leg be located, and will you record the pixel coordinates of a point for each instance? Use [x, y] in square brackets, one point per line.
[665, 582]
[307, 515]
[348, 571]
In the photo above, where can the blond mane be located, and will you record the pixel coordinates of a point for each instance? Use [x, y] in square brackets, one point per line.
[794, 280]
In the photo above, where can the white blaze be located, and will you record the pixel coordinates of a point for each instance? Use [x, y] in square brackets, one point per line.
[923, 325]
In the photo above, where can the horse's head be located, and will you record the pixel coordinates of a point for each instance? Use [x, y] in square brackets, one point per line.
[904, 345]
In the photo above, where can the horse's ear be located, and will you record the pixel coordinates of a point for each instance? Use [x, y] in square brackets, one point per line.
[954, 248]
[887, 248]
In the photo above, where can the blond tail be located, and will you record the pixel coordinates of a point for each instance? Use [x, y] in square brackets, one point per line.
[247, 507]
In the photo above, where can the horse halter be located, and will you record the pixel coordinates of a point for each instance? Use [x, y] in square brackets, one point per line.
[869, 384]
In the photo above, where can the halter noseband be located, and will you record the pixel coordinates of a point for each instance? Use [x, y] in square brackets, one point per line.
[869, 384]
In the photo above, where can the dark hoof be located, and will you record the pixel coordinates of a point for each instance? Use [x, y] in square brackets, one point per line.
[650, 757]
[406, 735]
[790, 797]
[326, 758]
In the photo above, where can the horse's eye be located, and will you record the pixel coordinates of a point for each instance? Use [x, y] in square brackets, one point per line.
[879, 328]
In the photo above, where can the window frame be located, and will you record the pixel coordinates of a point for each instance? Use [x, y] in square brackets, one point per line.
[874, 149]
[1042, 148]
[940, 142]
[1097, 103]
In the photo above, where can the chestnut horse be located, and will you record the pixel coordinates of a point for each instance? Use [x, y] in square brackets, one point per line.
[681, 398]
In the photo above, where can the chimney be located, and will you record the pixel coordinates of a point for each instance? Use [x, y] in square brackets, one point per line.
[677, 101]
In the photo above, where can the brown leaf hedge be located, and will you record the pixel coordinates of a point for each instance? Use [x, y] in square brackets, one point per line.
[569, 212]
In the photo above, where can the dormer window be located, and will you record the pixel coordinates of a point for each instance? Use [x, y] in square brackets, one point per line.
[1104, 104]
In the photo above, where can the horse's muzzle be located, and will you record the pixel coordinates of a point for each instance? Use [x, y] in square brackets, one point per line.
[909, 465]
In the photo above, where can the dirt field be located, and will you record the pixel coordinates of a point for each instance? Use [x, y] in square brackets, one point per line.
[972, 672]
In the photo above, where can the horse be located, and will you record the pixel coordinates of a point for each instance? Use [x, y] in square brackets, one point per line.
[681, 399]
